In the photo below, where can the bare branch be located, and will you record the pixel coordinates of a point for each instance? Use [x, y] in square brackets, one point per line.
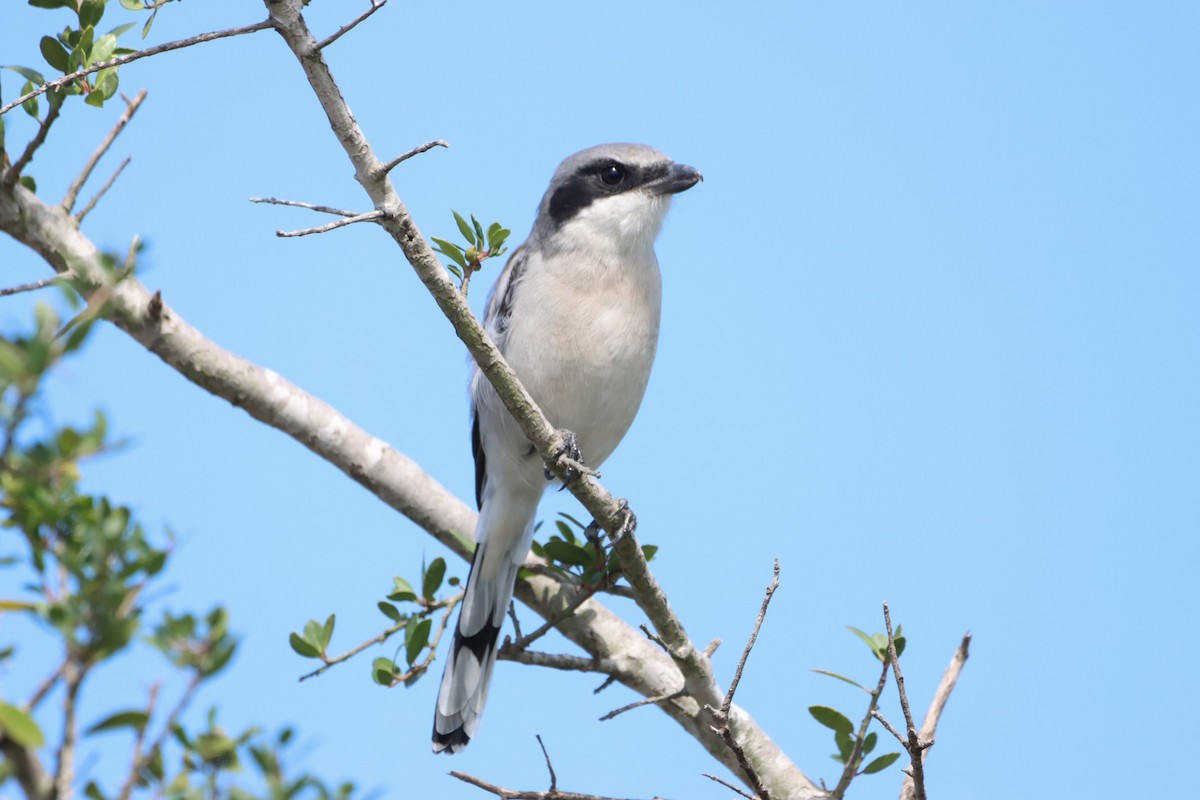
[297, 204]
[940, 696]
[762, 614]
[721, 715]
[561, 661]
[516, 794]
[68, 201]
[729, 786]
[370, 216]
[103, 190]
[13, 173]
[914, 746]
[139, 743]
[26, 768]
[30, 287]
[64, 774]
[549, 766]
[889, 728]
[58, 83]
[648, 701]
[850, 771]
[375, 6]
[416, 151]
[582, 595]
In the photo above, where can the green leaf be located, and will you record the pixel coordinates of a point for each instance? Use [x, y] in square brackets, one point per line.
[869, 743]
[845, 745]
[313, 631]
[92, 791]
[567, 553]
[120, 29]
[479, 240]
[401, 590]
[54, 53]
[30, 106]
[565, 530]
[881, 763]
[327, 632]
[464, 228]
[433, 578]
[449, 249]
[416, 636]
[103, 49]
[20, 727]
[649, 551]
[831, 718]
[382, 671]
[132, 5]
[870, 642]
[51, 3]
[840, 678]
[90, 12]
[121, 719]
[149, 22]
[390, 611]
[302, 647]
[31, 75]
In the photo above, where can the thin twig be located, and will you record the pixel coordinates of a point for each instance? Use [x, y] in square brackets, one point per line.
[914, 746]
[721, 715]
[583, 594]
[30, 287]
[549, 766]
[341, 223]
[729, 786]
[446, 605]
[560, 661]
[512, 614]
[647, 701]
[375, 6]
[131, 107]
[138, 745]
[940, 697]
[850, 770]
[875, 713]
[58, 83]
[416, 151]
[297, 204]
[762, 614]
[103, 189]
[64, 774]
[14, 171]
[516, 794]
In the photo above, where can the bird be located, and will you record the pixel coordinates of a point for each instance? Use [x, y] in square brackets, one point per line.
[575, 312]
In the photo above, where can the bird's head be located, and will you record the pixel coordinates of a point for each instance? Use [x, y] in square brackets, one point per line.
[612, 197]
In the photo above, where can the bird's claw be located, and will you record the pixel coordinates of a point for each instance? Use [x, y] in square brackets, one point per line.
[628, 524]
[570, 458]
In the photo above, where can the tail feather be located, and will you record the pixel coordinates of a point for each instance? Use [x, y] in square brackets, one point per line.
[468, 674]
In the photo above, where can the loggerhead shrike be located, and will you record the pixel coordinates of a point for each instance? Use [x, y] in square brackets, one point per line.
[575, 312]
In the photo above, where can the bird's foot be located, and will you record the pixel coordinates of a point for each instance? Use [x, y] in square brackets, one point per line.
[569, 458]
[628, 524]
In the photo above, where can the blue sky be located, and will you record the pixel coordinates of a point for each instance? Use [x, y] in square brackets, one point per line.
[929, 336]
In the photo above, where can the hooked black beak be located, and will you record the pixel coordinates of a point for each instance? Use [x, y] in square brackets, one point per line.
[680, 178]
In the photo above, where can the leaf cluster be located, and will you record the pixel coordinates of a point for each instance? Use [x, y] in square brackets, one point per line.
[87, 566]
[574, 556]
[480, 246]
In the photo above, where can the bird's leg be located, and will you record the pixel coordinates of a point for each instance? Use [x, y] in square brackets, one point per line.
[570, 459]
[628, 524]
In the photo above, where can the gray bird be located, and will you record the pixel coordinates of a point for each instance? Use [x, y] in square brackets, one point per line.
[575, 312]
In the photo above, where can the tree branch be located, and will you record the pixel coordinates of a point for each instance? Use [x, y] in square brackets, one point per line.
[392, 477]
[29, 287]
[83, 212]
[32, 777]
[58, 83]
[416, 151]
[940, 697]
[131, 107]
[375, 6]
[915, 747]
[13, 173]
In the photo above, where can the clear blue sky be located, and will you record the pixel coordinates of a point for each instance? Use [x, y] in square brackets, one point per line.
[930, 336]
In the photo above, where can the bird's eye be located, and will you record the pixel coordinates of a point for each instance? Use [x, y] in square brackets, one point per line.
[612, 174]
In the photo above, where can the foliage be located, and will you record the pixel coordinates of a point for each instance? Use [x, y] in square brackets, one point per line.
[480, 246]
[87, 566]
